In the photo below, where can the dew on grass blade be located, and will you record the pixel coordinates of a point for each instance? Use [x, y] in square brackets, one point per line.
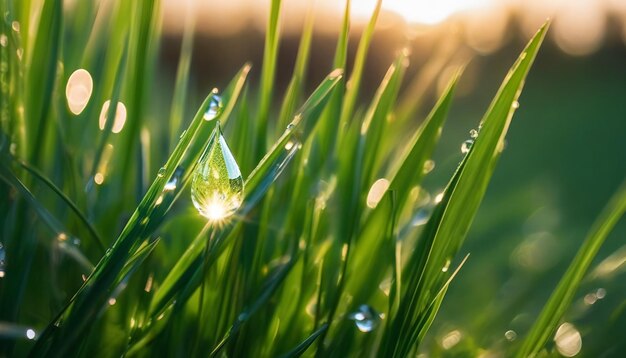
[473, 133]
[4, 40]
[30, 333]
[217, 184]
[510, 335]
[173, 182]
[78, 90]
[421, 217]
[214, 108]
[428, 167]
[365, 318]
[451, 339]
[466, 146]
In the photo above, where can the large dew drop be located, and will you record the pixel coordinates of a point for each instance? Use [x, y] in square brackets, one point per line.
[217, 185]
[365, 318]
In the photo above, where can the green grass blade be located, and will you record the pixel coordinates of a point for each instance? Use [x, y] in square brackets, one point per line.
[352, 91]
[268, 72]
[295, 87]
[450, 222]
[37, 174]
[302, 347]
[41, 75]
[562, 297]
[179, 97]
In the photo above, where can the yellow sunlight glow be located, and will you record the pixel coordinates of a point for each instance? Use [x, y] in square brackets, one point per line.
[418, 11]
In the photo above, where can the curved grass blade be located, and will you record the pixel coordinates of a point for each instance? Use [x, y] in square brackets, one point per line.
[267, 291]
[302, 347]
[37, 174]
[447, 228]
[561, 298]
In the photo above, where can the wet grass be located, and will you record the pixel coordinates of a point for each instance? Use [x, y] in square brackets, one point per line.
[102, 252]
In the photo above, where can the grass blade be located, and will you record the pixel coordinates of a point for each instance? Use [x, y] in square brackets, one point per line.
[561, 298]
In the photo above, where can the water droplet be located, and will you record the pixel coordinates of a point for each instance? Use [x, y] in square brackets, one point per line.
[438, 198]
[421, 217]
[78, 90]
[290, 126]
[19, 52]
[173, 182]
[214, 108]
[446, 266]
[568, 340]
[336, 73]
[15, 26]
[365, 318]
[112, 301]
[601, 293]
[4, 40]
[217, 184]
[429, 165]
[13, 148]
[515, 104]
[510, 335]
[473, 133]
[30, 333]
[161, 172]
[466, 146]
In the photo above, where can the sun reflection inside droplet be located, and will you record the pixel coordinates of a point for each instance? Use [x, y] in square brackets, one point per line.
[78, 90]
[120, 116]
[376, 192]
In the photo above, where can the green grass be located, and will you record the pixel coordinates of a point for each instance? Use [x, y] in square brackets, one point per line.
[306, 250]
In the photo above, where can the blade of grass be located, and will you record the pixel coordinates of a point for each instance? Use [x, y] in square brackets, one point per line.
[563, 294]
[268, 72]
[179, 97]
[447, 228]
[302, 347]
[37, 174]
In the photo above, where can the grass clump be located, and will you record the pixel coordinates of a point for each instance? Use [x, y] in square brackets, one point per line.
[322, 258]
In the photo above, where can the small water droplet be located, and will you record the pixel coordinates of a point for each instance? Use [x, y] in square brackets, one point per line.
[15, 26]
[290, 126]
[19, 52]
[161, 172]
[365, 318]
[4, 40]
[173, 182]
[429, 165]
[466, 146]
[515, 104]
[421, 217]
[214, 108]
[510, 335]
[217, 184]
[473, 133]
[601, 293]
[30, 333]
[446, 266]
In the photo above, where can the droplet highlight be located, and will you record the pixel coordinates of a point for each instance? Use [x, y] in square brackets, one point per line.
[466, 146]
[365, 318]
[214, 108]
[217, 184]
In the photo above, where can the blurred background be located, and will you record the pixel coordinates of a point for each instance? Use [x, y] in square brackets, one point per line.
[565, 151]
